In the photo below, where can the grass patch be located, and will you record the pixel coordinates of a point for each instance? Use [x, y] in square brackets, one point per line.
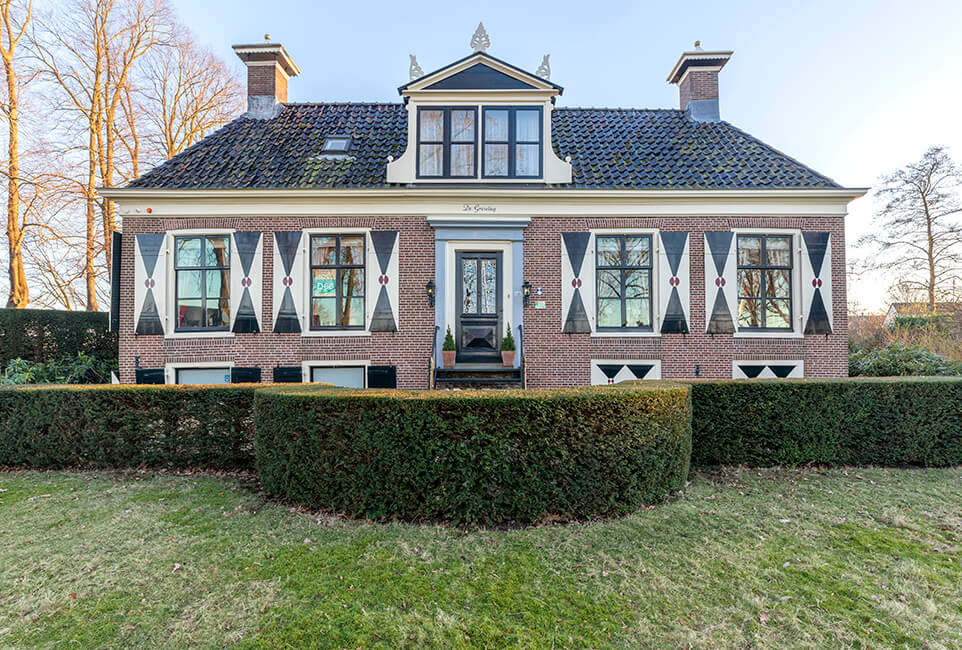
[766, 558]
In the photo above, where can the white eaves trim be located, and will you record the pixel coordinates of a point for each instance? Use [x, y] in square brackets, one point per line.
[482, 201]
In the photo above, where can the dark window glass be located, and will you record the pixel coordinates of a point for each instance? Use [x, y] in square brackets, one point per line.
[202, 281]
[512, 142]
[337, 282]
[623, 264]
[765, 282]
[447, 142]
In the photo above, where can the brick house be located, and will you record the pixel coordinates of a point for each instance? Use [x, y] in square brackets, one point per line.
[339, 241]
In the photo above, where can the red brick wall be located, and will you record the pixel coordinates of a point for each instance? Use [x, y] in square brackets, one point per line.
[267, 80]
[409, 348]
[552, 358]
[698, 84]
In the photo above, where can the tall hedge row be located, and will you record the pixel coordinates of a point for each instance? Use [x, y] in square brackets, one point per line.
[857, 421]
[174, 427]
[489, 456]
[43, 335]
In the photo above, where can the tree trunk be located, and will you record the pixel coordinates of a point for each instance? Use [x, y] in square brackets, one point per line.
[19, 295]
[90, 250]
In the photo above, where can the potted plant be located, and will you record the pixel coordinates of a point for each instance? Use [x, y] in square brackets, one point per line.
[448, 349]
[507, 348]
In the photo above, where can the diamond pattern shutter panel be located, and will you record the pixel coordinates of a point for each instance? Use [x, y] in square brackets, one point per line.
[577, 283]
[721, 290]
[382, 281]
[246, 282]
[673, 282]
[150, 293]
[817, 282]
[289, 273]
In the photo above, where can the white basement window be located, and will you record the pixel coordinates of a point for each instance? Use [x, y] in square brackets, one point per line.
[344, 376]
[202, 375]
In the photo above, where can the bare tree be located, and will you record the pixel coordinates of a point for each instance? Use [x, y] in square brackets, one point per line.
[920, 227]
[188, 92]
[14, 18]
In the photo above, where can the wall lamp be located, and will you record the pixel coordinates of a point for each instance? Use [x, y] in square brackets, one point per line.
[429, 289]
[526, 293]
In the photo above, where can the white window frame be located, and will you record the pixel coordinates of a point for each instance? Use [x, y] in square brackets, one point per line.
[305, 298]
[655, 293]
[798, 314]
[307, 367]
[170, 369]
[170, 274]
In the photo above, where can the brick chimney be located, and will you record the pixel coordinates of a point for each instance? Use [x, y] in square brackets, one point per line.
[696, 75]
[268, 69]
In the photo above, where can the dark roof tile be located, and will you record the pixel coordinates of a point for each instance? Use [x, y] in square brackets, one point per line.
[609, 149]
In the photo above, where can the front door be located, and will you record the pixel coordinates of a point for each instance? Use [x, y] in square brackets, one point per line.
[478, 307]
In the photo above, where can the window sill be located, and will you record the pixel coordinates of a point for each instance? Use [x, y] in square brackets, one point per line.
[323, 333]
[625, 334]
[200, 335]
[768, 335]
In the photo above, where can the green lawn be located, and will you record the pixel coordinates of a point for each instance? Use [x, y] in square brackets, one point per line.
[770, 558]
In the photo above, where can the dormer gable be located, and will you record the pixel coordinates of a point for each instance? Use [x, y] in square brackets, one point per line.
[479, 120]
[481, 72]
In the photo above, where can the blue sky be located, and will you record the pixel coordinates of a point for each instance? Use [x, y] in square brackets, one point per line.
[853, 89]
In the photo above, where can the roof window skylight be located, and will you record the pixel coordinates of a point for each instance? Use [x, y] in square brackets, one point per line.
[336, 145]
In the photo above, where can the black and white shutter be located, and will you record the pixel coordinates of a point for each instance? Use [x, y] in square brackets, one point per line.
[382, 281]
[721, 290]
[817, 282]
[246, 284]
[289, 275]
[150, 292]
[577, 282]
[673, 282]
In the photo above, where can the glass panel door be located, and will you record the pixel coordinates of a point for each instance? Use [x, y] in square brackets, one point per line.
[478, 310]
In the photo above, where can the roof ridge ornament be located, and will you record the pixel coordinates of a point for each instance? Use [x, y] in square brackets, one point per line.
[480, 42]
[544, 70]
[415, 71]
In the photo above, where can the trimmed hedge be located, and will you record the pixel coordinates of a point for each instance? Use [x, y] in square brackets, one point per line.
[43, 335]
[489, 457]
[176, 427]
[857, 421]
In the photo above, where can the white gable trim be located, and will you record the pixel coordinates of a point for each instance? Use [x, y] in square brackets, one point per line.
[419, 85]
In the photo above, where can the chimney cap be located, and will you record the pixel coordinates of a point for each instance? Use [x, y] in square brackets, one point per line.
[267, 51]
[698, 58]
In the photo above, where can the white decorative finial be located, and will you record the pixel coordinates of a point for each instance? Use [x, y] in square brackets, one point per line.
[267, 37]
[480, 41]
[698, 45]
[415, 71]
[544, 70]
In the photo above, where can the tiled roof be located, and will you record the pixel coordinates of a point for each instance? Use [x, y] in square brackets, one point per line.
[609, 148]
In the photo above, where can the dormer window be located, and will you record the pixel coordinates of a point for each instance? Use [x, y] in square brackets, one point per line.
[336, 145]
[512, 142]
[447, 142]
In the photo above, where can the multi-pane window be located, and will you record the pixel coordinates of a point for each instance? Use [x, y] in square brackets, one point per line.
[337, 281]
[202, 278]
[447, 141]
[765, 282]
[512, 142]
[623, 267]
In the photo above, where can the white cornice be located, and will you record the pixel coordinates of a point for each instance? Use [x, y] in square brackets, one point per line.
[482, 202]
